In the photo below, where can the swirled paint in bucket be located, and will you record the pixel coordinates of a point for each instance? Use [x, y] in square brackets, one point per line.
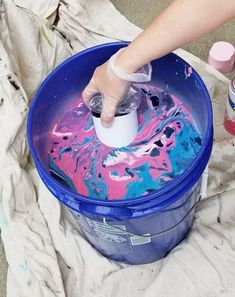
[166, 143]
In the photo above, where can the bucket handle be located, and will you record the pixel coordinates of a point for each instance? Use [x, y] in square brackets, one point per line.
[158, 233]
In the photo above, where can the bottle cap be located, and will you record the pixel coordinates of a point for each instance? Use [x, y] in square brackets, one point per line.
[222, 56]
[125, 124]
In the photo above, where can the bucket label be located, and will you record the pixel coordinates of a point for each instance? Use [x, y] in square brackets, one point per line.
[112, 236]
[98, 226]
[138, 240]
[107, 232]
[115, 235]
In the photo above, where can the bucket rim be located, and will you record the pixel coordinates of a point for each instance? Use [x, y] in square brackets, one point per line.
[159, 194]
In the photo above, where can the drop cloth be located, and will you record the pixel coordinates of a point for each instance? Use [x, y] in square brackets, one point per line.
[46, 252]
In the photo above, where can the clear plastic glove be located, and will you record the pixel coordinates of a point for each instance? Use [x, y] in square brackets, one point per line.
[109, 80]
[112, 89]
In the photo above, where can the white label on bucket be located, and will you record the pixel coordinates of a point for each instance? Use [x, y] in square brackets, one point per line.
[114, 234]
[106, 228]
[107, 232]
[138, 240]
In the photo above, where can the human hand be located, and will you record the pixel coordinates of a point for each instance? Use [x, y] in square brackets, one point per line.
[112, 89]
[112, 80]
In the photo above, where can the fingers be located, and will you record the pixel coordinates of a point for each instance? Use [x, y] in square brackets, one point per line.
[89, 91]
[108, 111]
[109, 105]
[110, 87]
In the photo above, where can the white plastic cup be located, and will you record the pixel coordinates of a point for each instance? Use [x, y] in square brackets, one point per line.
[123, 130]
[124, 127]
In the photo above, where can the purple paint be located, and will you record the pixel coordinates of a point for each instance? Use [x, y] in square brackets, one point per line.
[166, 144]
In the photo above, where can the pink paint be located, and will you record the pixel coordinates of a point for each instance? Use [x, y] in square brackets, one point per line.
[147, 164]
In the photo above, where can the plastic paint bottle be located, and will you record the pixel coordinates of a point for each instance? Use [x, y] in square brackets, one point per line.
[222, 56]
[229, 120]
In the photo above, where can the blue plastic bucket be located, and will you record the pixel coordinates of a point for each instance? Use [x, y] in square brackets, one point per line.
[144, 229]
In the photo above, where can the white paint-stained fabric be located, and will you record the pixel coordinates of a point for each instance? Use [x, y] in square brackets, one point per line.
[46, 252]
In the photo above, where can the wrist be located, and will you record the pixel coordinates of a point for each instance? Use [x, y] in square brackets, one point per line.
[129, 71]
[126, 64]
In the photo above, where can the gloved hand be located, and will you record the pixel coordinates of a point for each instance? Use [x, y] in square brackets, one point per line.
[111, 87]
[109, 80]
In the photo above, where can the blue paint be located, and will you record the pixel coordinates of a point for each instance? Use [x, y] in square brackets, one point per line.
[96, 186]
[89, 124]
[63, 151]
[185, 149]
[187, 144]
[23, 267]
[167, 100]
[138, 187]
[168, 132]
[114, 173]
[129, 172]
[87, 140]
[155, 152]
[155, 104]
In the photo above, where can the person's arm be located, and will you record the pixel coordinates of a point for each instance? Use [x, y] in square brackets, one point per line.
[181, 22]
